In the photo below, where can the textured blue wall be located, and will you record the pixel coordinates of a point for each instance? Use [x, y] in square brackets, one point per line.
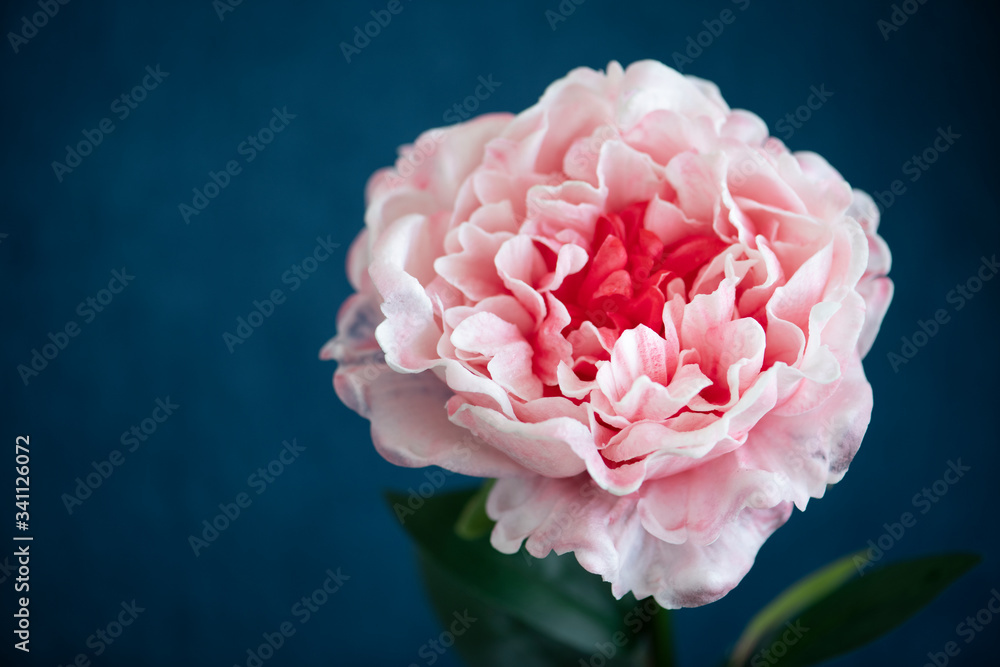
[220, 80]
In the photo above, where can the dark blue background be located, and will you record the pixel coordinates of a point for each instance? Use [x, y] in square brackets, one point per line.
[162, 336]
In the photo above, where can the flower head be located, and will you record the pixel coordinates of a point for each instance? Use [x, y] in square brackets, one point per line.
[633, 307]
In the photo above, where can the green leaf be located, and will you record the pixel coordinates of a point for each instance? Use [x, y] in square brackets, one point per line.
[473, 522]
[852, 613]
[495, 638]
[554, 596]
[800, 595]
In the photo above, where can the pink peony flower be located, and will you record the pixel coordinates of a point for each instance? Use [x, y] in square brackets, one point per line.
[640, 313]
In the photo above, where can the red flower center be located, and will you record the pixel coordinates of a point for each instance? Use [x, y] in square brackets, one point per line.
[624, 282]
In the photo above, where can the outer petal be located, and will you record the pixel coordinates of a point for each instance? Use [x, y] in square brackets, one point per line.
[410, 425]
[874, 287]
[409, 333]
[440, 159]
[815, 448]
[546, 447]
[877, 294]
[607, 535]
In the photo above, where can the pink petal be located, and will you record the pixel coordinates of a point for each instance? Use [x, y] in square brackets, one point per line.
[627, 176]
[546, 448]
[608, 538]
[507, 353]
[409, 333]
[472, 270]
[813, 449]
[877, 294]
[410, 425]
